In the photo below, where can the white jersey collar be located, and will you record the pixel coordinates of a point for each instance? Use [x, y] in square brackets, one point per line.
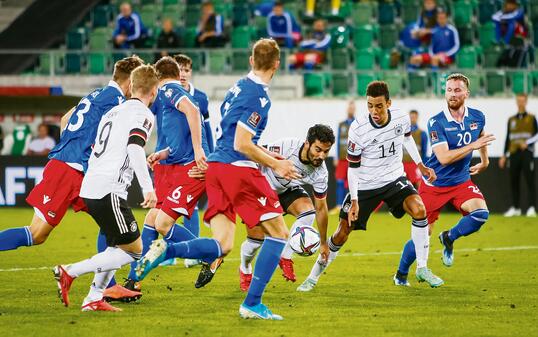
[449, 117]
[256, 79]
[114, 84]
[191, 89]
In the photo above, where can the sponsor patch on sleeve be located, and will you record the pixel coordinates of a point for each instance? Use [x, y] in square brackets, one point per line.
[147, 124]
[350, 146]
[254, 119]
[473, 126]
[433, 136]
[274, 148]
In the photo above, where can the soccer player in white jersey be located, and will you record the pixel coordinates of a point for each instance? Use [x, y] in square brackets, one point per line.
[118, 152]
[376, 174]
[308, 158]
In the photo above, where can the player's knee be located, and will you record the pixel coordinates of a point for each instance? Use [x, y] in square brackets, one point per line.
[163, 228]
[39, 237]
[418, 211]
[480, 216]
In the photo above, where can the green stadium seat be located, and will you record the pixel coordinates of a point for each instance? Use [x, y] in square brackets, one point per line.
[173, 12]
[486, 8]
[75, 39]
[363, 36]
[463, 13]
[171, 2]
[466, 34]
[44, 64]
[491, 56]
[240, 62]
[388, 36]
[395, 81]
[467, 58]
[149, 15]
[385, 59]
[365, 59]
[533, 12]
[261, 26]
[339, 59]
[418, 83]
[98, 63]
[495, 82]
[486, 34]
[439, 82]
[386, 13]
[190, 37]
[196, 58]
[314, 84]
[241, 37]
[475, 85]
[217, 61]
[363, 79]
[192, 15]
[341, 84]
[363, 13]
[339, 37]
[522, 82]
[240, 15]
[101, 16]
[73, 63]
[99, 40]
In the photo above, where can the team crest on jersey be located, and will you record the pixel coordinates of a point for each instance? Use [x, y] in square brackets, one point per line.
[168, 93]
[254, 119]
[147, 124]
[274, 148]
[398, 130]
[351, 146]
[134, 226]
[433, 136]
[473, 126]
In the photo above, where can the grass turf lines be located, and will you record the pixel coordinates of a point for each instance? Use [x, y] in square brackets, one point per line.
[492, 289]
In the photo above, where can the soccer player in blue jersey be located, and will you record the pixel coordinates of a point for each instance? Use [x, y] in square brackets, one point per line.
[454, 134]
[63, 174]
[235, 184]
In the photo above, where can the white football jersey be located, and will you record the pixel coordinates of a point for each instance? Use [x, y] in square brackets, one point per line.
[109, 169]
[379, 149]
[290, 148]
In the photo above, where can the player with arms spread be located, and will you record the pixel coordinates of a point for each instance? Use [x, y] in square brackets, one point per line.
[63, 174]
[118, 154]
[235, 185]
[376, 174]
[309, 159]
[454, 134]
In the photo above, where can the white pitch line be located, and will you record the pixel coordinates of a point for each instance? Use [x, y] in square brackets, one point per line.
[490, 249]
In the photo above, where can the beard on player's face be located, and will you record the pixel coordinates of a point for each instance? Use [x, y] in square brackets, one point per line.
[314, 160]
[455, 103]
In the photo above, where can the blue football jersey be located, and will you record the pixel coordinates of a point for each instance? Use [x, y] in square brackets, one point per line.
[175, 128]
[157, 110]
[203, 104]
[78, 136]
[246, 104]
[443, 129]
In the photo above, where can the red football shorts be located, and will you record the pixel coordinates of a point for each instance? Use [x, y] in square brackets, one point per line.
[162, 182]
[412, 172]
[242, 190]
[340, 171]
[435, 198]
[445, 59]
[301, 56]
[185, 192]
[58, 190]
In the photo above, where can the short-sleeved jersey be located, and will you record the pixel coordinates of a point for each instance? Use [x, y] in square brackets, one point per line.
[203, 104]
[444, 129]
[175, 127]
[109, 167]
[246, 105]
[76, 140]
[317, 177]
[378, 149]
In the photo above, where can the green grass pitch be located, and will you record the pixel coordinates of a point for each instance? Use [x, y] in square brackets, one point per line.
[492, 289]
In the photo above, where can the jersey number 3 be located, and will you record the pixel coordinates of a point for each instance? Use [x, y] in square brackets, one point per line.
[80, 115]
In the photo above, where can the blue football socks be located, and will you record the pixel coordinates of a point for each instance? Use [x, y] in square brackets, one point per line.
[469, 224]
[204, 249]
[14, 238]
[148, 235]
[193, 224]
[408, 257]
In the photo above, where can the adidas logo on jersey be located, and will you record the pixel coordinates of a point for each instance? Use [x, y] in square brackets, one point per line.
[262, 200]
[374, 141]
[46, 199]
[263, 101]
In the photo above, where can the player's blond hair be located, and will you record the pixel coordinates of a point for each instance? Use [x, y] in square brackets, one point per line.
[124, 67]
[459, 77]
[144, 80]
[265, 54]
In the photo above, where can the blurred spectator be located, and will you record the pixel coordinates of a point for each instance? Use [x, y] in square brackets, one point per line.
[421, 139]
[445, 43]
[264, 9]
[130, 31]
[311, 5]
[41, 145]
[511, 29]
[210, 28]
[16, 143]
[314, 49]
[340, 160]
[167, 39]
[283, 27]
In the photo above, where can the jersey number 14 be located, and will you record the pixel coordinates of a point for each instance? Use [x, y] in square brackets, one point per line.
[391, 151]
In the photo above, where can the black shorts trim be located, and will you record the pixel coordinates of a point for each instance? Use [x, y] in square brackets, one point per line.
[287, 197]
[115, 218]
[393, 194]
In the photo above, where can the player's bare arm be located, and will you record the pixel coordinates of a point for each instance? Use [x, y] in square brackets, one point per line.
[195, 125]
[65, 119]
[156, 157]
[271, 153]
[447, 157]
[243, 143]
[322, 219]
[484, 161]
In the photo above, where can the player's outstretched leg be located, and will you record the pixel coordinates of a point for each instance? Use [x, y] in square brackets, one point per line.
[406, 260]
[207, 272]
[335, 242]
[249, 248]
[193, 225]
[469, 224]
[35, 234]
[286, 263]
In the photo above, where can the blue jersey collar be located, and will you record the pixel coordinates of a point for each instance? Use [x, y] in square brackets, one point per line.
[449, 117]
[114, 84]
[256, 79]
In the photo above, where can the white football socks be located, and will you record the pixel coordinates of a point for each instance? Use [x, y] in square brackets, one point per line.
[421, 239]
[111, 258]
[249, 247]
[319, 267]
[100, 281]
[304, 219]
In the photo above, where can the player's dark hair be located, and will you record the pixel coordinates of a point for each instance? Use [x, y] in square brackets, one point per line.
[167, 67]
[378, 88]
[124, 67]
[266, 54]
[183, 60]
[320, 132]
[459, 77]
[413, 112]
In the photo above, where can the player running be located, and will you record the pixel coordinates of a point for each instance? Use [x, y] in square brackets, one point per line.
[63, 174]
[235, 184]
[117, 154]
[454, 134]
[376, 174]
[309, 159]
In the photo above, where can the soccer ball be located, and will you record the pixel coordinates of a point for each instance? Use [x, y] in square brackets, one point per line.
[304, 240]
